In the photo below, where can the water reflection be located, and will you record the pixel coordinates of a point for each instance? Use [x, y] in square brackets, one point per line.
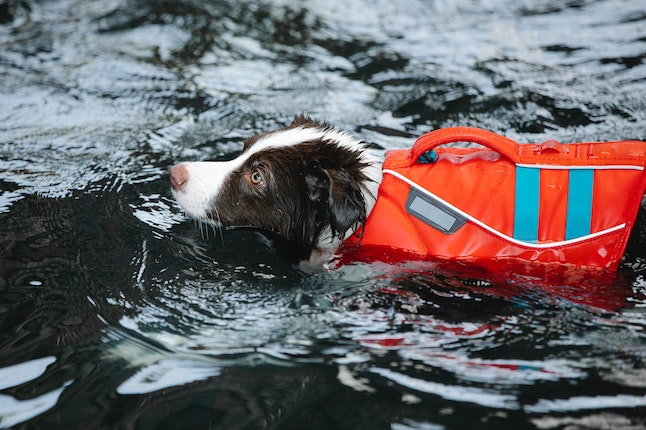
[13, 410]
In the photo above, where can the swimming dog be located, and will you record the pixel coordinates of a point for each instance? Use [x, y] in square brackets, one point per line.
[308, 187]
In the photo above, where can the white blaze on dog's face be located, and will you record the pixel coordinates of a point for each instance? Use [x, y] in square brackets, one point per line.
[308, 184]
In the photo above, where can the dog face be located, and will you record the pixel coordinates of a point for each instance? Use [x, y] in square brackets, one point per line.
[308, 186]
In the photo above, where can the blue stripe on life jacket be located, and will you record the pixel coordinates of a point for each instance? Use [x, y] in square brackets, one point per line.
[526, 203]
[579, 203]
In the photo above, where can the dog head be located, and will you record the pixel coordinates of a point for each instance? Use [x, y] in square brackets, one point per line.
[307, 186]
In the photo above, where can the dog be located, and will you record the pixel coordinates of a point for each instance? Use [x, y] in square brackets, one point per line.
[307, 187]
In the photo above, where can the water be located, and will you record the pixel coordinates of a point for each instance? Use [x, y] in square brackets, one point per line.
[117, 312]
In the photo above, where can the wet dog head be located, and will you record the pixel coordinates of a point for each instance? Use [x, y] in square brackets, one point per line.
[308, 186]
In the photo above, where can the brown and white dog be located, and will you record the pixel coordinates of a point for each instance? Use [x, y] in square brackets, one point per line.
[307, 187]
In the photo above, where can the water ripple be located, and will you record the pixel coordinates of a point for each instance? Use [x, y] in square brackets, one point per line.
[146, 312]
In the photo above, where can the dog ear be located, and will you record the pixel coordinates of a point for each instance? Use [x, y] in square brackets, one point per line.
[347, 205]
[340, 196]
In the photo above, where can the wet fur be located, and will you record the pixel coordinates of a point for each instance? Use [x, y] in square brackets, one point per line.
[314, 192]
[309, 187]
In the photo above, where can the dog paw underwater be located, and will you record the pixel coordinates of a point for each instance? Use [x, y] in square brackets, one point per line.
[320, 196]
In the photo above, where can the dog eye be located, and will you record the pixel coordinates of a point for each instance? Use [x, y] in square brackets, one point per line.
[256, 177]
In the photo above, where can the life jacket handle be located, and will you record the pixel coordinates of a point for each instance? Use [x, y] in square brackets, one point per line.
[500, 144]
[551, 152]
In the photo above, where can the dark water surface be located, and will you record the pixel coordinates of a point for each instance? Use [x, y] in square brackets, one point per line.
[117, 312]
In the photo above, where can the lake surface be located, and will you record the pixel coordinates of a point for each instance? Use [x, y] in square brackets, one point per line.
[116, 311]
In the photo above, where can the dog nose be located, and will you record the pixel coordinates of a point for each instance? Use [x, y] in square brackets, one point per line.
[178, 176]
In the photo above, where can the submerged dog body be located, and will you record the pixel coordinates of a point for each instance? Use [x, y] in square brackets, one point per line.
[307, 187]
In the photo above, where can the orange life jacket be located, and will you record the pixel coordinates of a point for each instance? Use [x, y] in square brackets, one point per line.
[548, 202]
